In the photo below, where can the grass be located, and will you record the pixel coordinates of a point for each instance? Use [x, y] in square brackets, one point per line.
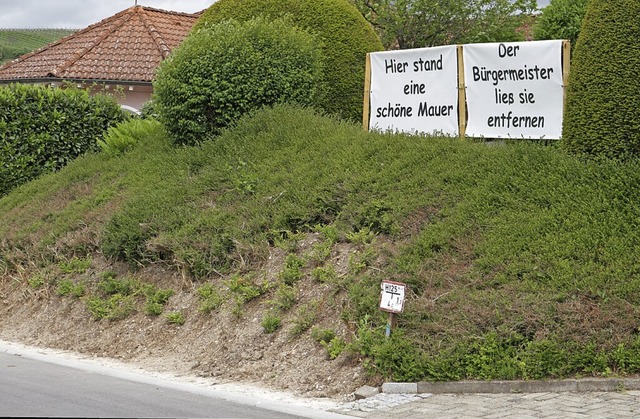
[522, 261]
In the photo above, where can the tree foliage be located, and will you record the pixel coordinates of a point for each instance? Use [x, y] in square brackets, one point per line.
[603, 98]
[223, 71]
[425, 23]
[345, 35]
[561, 19]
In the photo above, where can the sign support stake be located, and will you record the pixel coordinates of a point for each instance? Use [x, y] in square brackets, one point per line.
[462, 95]
[391, 324]
[367, 93]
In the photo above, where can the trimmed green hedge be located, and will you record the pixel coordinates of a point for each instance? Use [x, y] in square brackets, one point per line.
[603, 98]
[226, 70]
[42, 129]
[346, 36]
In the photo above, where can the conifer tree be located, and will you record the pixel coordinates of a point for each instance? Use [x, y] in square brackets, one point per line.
[602, 116]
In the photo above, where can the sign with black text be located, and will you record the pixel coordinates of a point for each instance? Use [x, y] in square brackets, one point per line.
[514, 90]
[415, 91]
[392, 296]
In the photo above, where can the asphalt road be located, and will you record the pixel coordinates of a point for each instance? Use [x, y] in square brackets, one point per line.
[33, 387]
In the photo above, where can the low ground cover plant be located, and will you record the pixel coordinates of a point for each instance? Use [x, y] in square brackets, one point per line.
[521, 259]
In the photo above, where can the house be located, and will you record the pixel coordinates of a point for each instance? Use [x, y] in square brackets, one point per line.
[119, 54]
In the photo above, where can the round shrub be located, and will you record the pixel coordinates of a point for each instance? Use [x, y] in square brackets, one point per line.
[225, 70]
[561, 19]
[603, 96]
[346, 39]
[43, 128]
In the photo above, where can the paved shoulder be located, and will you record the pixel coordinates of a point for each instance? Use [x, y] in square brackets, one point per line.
[622, 404]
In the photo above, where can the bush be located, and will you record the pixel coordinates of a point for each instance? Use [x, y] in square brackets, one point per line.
[346, 39]
[561, 19]
[126, 135]
[226, 70]
[42, 129]
[603, 97]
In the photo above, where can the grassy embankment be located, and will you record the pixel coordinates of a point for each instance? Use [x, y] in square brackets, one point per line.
[522, 261]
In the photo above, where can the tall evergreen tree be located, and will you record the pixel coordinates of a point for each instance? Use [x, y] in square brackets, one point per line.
[602, 115]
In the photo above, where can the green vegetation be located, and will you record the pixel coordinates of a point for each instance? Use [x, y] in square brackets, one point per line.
[522, 260]
[75, 265]
[271, 322]
[16, 42]
[116, 298]
[42, 129]
[68, 287]
[428, 23]
[602, 102]
[226, 70]
[343, 34]
[127, 135]
[175, 317]
[561, 19]
[210, 298]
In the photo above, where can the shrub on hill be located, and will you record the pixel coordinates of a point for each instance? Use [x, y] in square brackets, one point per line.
[603, 97]
[225, 70]
[346, 37]
[41, 129]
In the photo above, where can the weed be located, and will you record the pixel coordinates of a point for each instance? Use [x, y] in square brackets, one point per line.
[321, 251]
[329, 232]
[358, 262]
[75, 265]
[334, 347]
[286, 240]
[68, 287]
[322, 335]
[36, 281]
[115, 307]
[110, 285]
[271, 322]
[153, 308]
[305, 318]
[325, 275]
[285, 297]
[292, 271]
[362, 237]
[210, 298]
[245, 288]
[156, 300]
[175, 317]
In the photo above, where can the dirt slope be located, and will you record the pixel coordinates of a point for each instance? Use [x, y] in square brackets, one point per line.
[219, 344]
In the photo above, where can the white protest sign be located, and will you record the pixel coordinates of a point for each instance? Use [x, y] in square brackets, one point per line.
[415, 90]
[514, 90]
[392, 296]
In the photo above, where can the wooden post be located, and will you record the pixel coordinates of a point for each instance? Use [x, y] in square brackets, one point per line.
[462, 95]
[566, 63]
[367, 93]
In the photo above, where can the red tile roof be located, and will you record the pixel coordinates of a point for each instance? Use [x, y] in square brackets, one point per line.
[128, 46]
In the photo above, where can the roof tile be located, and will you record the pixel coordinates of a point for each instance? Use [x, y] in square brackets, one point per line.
[128, 46]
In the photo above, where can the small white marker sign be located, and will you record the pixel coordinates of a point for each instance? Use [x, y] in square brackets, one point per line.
[392, 296]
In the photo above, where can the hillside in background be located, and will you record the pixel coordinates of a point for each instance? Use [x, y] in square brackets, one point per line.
[259, 256]
[16, 42]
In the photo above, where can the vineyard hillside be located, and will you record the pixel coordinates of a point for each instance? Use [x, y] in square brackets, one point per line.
[16, 42]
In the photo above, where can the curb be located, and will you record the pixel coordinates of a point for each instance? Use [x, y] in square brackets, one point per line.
[516, 386]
